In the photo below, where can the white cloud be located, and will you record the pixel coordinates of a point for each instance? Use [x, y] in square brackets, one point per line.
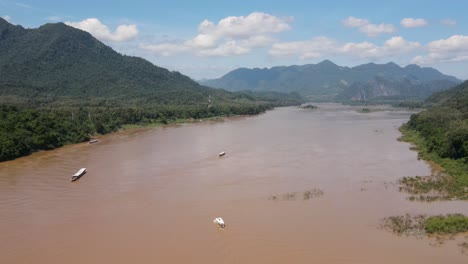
[322, 47]
[102, 32]
[7, 18]
[361, 50]
[354, 22]
[413, 22]
[233, 35]
[449, 22]
[452, 49]
[257, 41]
[229, 48]
[256, 23]
[314, 48]
[398, 44]
[367, 28]
[373, 30]
[165, 49]
[203, 41]
[392, 47]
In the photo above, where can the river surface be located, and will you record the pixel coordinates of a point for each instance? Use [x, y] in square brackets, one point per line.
[150, 195]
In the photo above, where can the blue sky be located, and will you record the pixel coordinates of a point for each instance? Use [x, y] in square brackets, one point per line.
[206, 39]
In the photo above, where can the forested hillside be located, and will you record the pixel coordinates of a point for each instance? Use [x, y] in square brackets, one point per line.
[441, 134]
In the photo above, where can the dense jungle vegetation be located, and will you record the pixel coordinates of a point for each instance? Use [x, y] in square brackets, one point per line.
[441, 135]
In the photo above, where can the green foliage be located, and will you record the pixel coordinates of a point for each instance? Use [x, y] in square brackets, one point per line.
[25, 131]
[450, 224]
[441, 134]
[419, 224]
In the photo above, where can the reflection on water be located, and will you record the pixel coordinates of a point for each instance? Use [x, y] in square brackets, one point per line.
[150, 195]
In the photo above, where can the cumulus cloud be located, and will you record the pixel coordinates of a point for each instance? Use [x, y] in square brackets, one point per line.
[367, 28]
[256, 23]
[228, 48]
[452, 49]
[392, 47]
[102, 32]
[400, 45]
[314, 48]
[413, 22]
[373, 30]
[165, 49]
[354, 22]
[233, 35]
[448, 22]
[323, 47]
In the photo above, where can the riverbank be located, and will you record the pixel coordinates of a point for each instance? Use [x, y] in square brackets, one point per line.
[181, 121]
[449, 177]
[24, 131]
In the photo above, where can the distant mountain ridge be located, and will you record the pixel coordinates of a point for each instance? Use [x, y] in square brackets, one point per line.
[326, 80]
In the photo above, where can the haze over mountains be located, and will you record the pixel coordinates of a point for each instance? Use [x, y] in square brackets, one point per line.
[328, 81]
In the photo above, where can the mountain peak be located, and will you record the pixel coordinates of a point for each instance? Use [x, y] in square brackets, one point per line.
[392, 64]
[327, 63]
[3, 21]
[64, 61]
[412, 66]
[5, 24]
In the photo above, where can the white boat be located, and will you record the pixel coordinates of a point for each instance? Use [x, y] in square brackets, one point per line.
[78, 174]
[222, 154]
[92, 141]
[219, 221]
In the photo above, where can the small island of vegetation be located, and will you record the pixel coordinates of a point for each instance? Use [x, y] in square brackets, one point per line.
[309, 106]
[429, 225]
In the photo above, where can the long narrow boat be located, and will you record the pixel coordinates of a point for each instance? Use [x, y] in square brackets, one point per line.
[78, 174]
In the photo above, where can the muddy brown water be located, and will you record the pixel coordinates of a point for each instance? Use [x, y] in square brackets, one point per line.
[150, 195]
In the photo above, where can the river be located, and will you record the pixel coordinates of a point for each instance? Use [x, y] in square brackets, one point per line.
[150, 195]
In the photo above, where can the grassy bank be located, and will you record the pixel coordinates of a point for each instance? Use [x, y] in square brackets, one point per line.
[449, 183]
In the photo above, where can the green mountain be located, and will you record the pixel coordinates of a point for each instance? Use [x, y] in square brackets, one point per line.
[455, 98]
[326, 80]
[56, 61]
